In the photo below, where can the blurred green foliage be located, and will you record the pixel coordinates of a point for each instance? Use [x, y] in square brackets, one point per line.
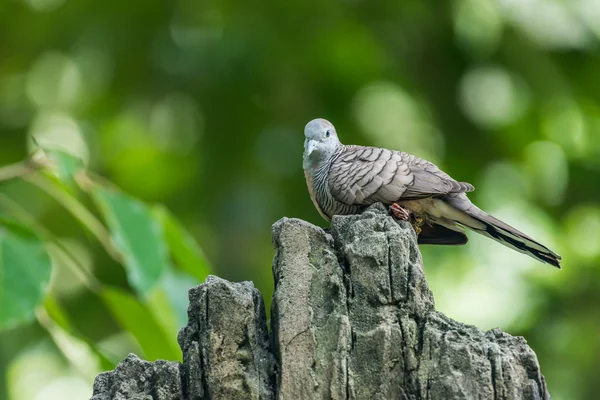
[201, 106]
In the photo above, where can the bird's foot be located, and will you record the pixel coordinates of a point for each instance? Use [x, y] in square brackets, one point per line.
[404, 214]
[399, 212]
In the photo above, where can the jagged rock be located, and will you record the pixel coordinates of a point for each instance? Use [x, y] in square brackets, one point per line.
[309, 314]
[225, 344]
[135, 379]
[352, 318]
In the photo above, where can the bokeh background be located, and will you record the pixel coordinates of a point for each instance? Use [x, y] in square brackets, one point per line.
[201, 106]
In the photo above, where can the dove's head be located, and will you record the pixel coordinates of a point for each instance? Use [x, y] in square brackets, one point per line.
[321, 141]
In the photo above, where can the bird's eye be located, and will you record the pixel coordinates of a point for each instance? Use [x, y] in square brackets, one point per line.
[328, 133]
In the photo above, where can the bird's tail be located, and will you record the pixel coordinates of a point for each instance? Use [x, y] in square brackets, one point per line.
[511, 237]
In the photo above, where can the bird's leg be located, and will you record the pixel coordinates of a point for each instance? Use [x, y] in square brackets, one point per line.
[405, 214]
[399, 212]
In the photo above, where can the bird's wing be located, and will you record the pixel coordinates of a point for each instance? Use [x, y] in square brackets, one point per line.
[366, 175]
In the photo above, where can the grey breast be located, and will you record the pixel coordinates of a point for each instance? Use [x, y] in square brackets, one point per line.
[327, 201]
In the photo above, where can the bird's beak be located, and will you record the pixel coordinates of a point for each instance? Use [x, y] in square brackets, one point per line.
[311, 145]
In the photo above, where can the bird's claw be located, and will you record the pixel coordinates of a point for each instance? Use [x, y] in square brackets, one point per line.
[404, 214]
[399, 212]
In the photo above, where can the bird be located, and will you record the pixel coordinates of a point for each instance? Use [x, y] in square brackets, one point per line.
[345, 179]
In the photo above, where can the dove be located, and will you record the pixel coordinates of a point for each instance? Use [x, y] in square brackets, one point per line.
[345, 179]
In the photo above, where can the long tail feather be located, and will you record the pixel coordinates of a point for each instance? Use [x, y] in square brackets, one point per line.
[456, 210]
[511, 237]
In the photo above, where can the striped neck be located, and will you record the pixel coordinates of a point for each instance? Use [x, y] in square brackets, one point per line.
[319, 169]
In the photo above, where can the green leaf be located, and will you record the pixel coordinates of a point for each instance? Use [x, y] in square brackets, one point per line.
[67, 164]
[176, 285]
[183, 247]
[54, 189]
[25, 269]
[137, 235]
[137, 318]
[60, 320]
[57, 314]
[159, 304]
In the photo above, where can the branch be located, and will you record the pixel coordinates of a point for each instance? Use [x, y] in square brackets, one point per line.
[21, 169]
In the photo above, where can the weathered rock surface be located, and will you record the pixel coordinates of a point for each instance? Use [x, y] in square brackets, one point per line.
[225, 344]
[135, 379]
[352, 318]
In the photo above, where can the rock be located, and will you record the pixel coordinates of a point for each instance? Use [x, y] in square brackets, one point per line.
[135, 379]
[225, 344]
[377, 335]
[352, 317]
[309, 314]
